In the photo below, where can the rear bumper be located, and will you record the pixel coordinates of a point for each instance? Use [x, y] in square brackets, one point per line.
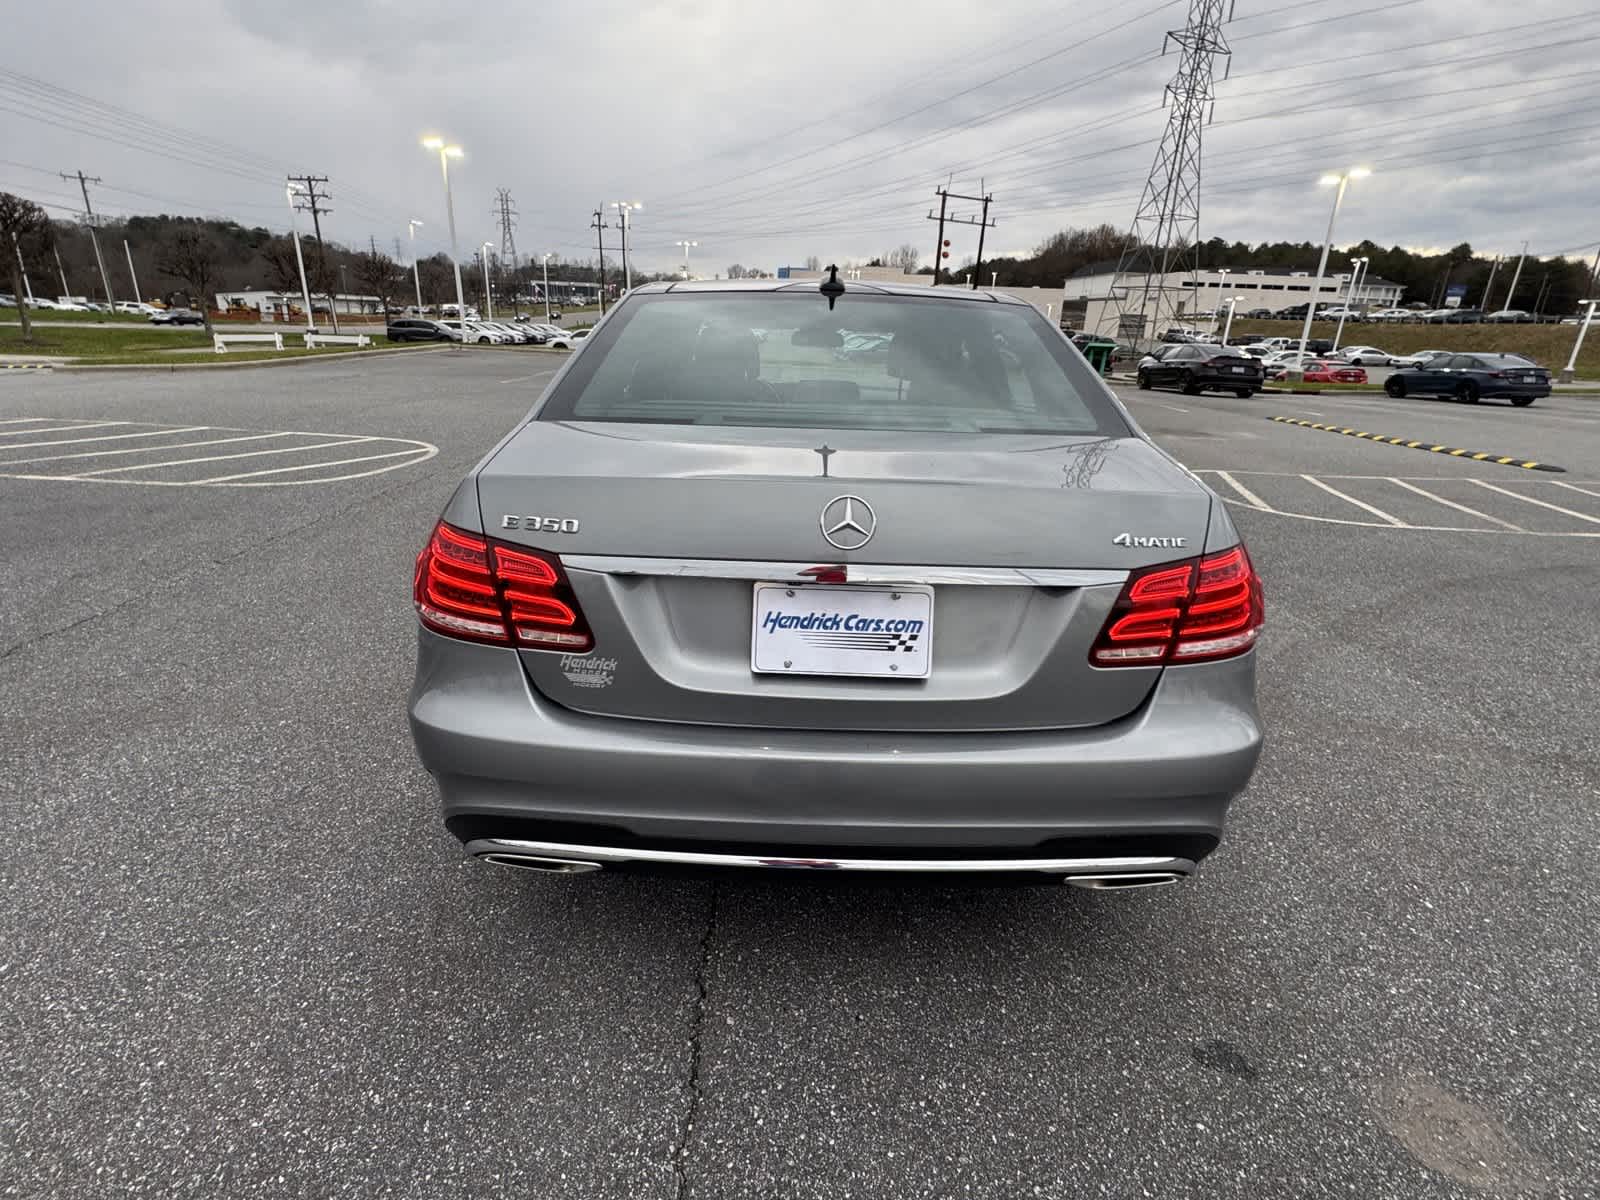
[511, 765]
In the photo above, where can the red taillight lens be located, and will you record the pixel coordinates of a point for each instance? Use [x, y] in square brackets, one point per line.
[469, 587]
[1184, 612]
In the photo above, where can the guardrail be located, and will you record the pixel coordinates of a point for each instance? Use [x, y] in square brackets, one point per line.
[219, 341]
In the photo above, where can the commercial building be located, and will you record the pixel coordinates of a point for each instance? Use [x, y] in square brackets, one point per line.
[280, 303]
[1089, 302]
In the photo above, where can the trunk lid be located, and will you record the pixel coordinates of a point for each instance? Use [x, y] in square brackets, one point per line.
[1018, 535]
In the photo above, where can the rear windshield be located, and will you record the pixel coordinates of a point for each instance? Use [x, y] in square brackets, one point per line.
[873, 362]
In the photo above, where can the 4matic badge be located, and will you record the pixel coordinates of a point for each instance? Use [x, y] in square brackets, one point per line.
[1128, 539]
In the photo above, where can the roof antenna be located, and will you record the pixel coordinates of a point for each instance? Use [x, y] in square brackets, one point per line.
[831, 287]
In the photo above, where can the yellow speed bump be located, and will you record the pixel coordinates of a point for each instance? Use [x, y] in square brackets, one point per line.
[1505, 460]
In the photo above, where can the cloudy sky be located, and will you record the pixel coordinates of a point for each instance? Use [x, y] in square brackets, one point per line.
[767, 132]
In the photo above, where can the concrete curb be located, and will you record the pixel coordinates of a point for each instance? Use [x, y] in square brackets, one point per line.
[90, 368]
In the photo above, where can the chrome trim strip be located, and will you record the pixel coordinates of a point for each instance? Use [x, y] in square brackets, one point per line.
[721, 568]
[1097, 868]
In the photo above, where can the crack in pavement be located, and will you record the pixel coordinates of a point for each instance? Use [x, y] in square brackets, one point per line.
[697, 1020]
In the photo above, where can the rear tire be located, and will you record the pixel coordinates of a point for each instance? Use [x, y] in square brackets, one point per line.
[1467, 392]
[1243, 393]
[1395, 388]
[1522, 401]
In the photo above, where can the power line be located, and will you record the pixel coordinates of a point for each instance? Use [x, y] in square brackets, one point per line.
[88, 220]
[309, 199]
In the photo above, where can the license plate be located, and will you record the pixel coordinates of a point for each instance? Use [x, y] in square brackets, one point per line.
[884, 633]
[1240, 370]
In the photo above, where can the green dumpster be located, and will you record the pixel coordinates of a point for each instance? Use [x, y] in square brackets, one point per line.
[1099, 354]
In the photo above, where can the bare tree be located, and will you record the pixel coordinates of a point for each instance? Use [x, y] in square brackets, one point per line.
[379, 274]
[25, 233]
[194, 257]
[905, 257]
[283, 270]
[737, 271]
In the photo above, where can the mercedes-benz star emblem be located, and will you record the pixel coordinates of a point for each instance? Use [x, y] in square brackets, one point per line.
[848, 522]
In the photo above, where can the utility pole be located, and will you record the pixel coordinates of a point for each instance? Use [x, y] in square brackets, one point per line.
[27, 284]
[132, 274]
[982, 222]
[1594, 273]
[598, 226]
[1538, 300]
[88, 219]
[62, 271]
[1165, 235]
[1517, 276]
[506, 209]
[310, 200]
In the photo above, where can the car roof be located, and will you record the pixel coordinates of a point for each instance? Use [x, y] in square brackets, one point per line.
[874, 288]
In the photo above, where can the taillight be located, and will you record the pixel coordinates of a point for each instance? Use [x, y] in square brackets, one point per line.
[469, 587]
[1187, 611]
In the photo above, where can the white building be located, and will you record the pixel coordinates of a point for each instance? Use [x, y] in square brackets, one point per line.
[281, 302]
[1088, 302]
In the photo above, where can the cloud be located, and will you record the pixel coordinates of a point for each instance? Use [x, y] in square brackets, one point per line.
[769, 133]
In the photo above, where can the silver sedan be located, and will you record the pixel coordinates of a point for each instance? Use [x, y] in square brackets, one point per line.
[722, 602]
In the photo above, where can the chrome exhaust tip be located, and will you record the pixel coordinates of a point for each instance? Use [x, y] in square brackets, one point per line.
[1123, 882]
[533, 862]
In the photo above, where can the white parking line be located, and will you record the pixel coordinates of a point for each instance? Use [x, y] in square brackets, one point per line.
[1541, 503]
[107, 437]
[254, 437]
[1250, 497]
[1471, 512]
[1362, 504]
[184, 462]
[65, 428]
[1572, 487]
[342, 462]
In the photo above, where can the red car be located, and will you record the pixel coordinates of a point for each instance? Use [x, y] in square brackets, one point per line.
[1321, 371]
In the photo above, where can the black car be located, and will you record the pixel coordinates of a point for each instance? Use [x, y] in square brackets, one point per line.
[1471, 377]
[416, 329]
[177, 316]
[1194, 369]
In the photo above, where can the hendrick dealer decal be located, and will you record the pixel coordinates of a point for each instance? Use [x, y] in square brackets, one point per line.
[848, 629]
[588, 670]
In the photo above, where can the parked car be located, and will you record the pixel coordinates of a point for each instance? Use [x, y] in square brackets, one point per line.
[136, 308]
[606, 678]
[1393, 314]
[1322, 370]
[1181, 334]
[1510, 316]
[1197, 368]
[419, 329]
[1259, 314]
[1471, 377]
[177, 316]
[1418, 358]
[1363, 356]
[1280, 364]
[514, 334]
[1276, 344]
[1347, 314]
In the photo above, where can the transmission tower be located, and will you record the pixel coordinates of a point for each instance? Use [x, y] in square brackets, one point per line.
[506, 209]
[1165, 238]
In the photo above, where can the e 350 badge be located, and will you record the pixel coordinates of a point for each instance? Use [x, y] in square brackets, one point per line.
[540, 524]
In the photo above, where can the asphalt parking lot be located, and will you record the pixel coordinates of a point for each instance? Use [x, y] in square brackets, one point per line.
[241, 957]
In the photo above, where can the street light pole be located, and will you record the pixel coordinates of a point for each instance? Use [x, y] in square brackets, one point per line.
[625, 209]
[488, 296]
[1227, 328]
[686, 248]
[299, 258]
[132, 274]
[1572, 363]
[1517, 276]
[1343, 180]
[545, 258]
[446, 153]
[416, 274]
[1356, 267]
[1222, 286]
